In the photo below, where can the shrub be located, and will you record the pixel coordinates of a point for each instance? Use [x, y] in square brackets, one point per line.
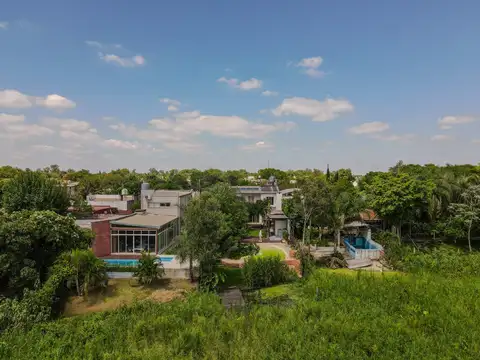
[89, 272]
[264, 271]
[121, 268]
[307, 260]
[149, 269]
[243, 249]
[334, 261]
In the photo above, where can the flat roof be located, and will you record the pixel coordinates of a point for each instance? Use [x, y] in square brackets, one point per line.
[155, 221]
[87, 223]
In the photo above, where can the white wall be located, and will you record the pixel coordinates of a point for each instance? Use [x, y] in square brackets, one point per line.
[120, 205]
[177, 202]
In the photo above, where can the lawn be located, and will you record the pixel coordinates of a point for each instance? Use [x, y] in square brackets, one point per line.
[272, 252]
[333, 316]
[121, 292]
[253, 233]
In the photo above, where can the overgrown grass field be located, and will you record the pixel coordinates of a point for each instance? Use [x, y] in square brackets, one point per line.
[333, 316]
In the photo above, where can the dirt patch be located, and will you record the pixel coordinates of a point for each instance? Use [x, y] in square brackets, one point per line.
[120, 292]
[167, 295]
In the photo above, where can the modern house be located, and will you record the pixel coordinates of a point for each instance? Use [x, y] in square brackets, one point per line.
[165, 202]
[275, 221]
[152, 229]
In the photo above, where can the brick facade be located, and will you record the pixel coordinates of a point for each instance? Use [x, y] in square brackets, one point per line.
[101, 244]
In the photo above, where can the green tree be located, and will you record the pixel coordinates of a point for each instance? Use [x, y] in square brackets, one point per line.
[344, 202]
[34, 191]
[204, 228]
[397, 198]
[88, 271]
[468, 212]
[310, 200]
[149, 269]
[30, 243]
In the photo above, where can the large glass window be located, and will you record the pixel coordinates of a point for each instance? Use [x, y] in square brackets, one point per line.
[133, 241]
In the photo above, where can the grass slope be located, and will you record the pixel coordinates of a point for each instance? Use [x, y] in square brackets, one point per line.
[335, 317]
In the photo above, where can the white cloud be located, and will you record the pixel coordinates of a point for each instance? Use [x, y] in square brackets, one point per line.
[108, 118]
[193, 123]
[11, 119]
[14, 127]
[173, 105]
[260, 145]
[14, 99]
[94, 44]
[86, 136]
[170, 101]
[120, 144]
[250, 84]
[68, 124]
[46, 148]
[4, 25]
[56, 102]
[183, 146]
[311, 63]
[369, 128]
[109, 54]
[134, 61]
[394, 137]
[447, 122]
[326, 110]
[441, 137]
[24, 131]
[311, 66]
[269, 93]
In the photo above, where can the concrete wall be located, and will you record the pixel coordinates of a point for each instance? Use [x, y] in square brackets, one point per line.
[101, 242]
[119, 204]
[151, 200]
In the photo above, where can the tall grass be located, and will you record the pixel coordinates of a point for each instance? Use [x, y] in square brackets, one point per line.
[335, 317]
[263, 271]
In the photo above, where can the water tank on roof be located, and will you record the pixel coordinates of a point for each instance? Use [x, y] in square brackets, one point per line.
[145, 186]
[124, 192]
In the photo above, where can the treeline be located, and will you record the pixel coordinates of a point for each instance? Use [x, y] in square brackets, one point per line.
[114, 181]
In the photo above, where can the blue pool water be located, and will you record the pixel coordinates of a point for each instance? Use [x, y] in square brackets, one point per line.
[361, 243]
[133, 262]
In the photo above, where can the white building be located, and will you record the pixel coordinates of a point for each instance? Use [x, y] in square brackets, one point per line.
[164, 202]
[123, 203]
[276, 220]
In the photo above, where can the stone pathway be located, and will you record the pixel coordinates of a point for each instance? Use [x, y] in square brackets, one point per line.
[232, 298]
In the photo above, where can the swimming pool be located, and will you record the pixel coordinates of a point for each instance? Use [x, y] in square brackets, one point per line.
[134, 262]
[362, 248]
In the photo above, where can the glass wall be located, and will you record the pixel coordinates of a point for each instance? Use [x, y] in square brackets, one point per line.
[136, 241]
[133, 241]
[167, 234]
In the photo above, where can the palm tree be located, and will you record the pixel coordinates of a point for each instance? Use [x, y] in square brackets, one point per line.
[345, 204]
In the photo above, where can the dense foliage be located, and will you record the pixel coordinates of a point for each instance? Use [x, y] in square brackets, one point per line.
[264, 271]
[88, 271]
[34, 191]
[213, 226]
[149, 269]
[30, 242]
[338, 316]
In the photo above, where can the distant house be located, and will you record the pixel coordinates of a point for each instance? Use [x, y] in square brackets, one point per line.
[122, 203]
[371, 218]
[276, 221]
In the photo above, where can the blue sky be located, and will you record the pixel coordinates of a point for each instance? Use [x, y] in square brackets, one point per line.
[111, 84]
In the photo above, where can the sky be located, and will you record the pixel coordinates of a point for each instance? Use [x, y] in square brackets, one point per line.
[299, 84]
